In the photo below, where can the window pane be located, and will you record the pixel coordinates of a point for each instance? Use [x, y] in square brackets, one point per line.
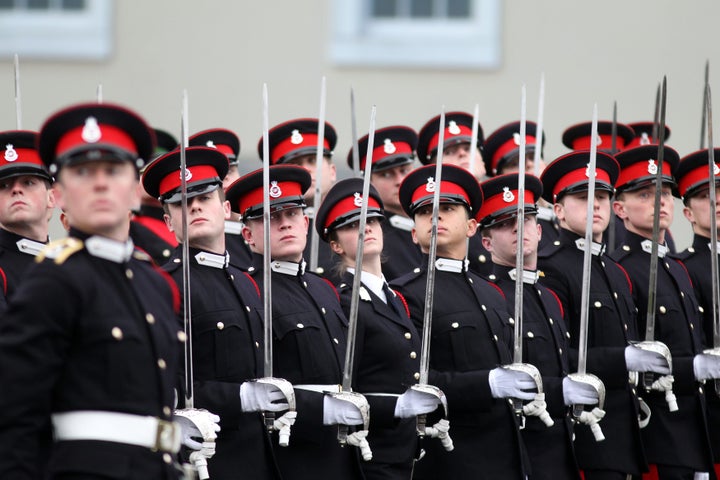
[384, 8]
[421, 8]
[458, 8]
[73, 4]
[38, 4]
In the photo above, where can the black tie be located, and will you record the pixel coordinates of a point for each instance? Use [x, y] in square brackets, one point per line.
[392, 300]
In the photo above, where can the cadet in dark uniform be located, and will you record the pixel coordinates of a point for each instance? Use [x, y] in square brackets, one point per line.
[308, 323]
[26, 204]
[693, 188]
[147, 227]
[501, 153]
[456, 151]
[471, 336]
[227, 321]
[387, 344]
[544, 334]
[295, 142]
[676, 442]
[392, 160]
[228, 143]
[611, 321]
[90, 339]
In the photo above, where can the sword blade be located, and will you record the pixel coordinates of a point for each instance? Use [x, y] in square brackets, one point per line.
[613, 133]
[432, 253]
[704, 105]
[713, 221]
[353, 126]
[18, 109]
[187, 304]
[267, 254]
[539, 134]
[319, 159]
[355, 299]
[474, 138]
[656, 116]
[519, 257]
[587, 254]
[652, 284]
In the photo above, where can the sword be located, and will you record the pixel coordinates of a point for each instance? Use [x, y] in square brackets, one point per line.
[319, 158]
[704, 105]
[99, 94]
[582, 376]
[185, 248]
[518, 364]
[613, 151]
[713, 233]
[656, 117]
[650, 343]
[18, 109]
[281, 384]
[539, 133]
[353, 123]
[474, 138]
[355, 299]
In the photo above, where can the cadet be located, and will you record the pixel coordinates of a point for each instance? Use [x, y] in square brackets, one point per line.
[295, 142]
[90, 339]
[228, 143]
[544, 334]
[392, 160]
[387, 344]
[226, 319]
[676, 442]
[26, 204]
[501, 154]
[611, 320]
[471, 335]
[456, 151]
[693, 187]
[309, 325]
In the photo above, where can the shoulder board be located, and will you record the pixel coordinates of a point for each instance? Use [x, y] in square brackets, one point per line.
[684, 255]
[407, 278]
[621, 252]
[550, 250]
[403, 223]
[60, 250]
[173, 264]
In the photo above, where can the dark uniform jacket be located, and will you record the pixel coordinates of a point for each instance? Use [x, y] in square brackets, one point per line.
[671, 438]
[310, 331]
[87, 333]
[479, 258]
[545, 346]
[227, 341]
[387, 356]
[696, 259]
[611, 325]
[240, 254]
[327, 260]
[16, 255]
[400, 254]
[150, 233]
[471, 335]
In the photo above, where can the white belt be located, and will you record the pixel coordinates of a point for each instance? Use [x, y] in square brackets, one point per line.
[319, 388]
[144, 431]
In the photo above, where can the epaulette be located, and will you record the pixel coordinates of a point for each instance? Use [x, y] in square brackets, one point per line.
[172, 265]
[60, 250]
[142, 255]
[621, 252]
[550, 249]
[684, 255]
[402, 223]
[408, 277]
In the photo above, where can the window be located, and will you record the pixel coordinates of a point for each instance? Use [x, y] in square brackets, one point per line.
[56, 29]
[417, 33]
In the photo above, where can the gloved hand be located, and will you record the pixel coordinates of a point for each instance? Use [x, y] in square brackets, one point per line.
[413, 403]
[706, 366]
[197, 423]
[337, 411]
[639, 360]
[578, 393]
[262, 397]
[506, 383]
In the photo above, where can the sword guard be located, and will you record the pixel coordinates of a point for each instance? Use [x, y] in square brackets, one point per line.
[359, 401]
[432, 390]
[528, 369]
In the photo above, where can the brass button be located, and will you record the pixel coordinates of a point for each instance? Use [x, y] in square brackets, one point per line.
[484, 308]
[495, 338]
[220, 325]
[322, 309]
[150, 318]
[162, 364]
[167, 458]
[167, 411]
[530, 335]
[455, 325]
[129, 274]
[615, 295]
[511, 321]
[257, 344]
[247, 308]
[408, 335]
[597, 304]
[470, 280]
[117, 333]
[482, 259]
[416, 376]
[556, 242]
[181, 336]
[567, 334]
[304, 284]
[337, 342]
[626, 248]
[319, 270]
[300, 325]
[663, 309]
[560, 351]
[166, 253]
[413, 355]
[551, 321]
[416, 270]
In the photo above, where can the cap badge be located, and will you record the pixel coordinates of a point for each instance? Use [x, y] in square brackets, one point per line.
[644, 139]
[210, 144]
[188, 175]
[716, 169]
[10, 154]
[453, 128]
[587, 171]
[652, 167]
[389, 147]
[91, 130]
[296, 138]
[516, 138]
[275, 191]
[430, 185]
[598, 138]
[357, 201]
[508, 196]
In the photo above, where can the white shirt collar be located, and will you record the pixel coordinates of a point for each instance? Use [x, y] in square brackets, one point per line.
[105, 248]
[373, 282]
[212, 259]
[403, 223]
[529, 276]
[647, 247]
[710, 246]
[233, 228]
[288, 268]
[451, 265]
[31, 247]
[596, 248]
[545, 213]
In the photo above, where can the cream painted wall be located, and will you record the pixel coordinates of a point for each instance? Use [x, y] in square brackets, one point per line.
[222, 51]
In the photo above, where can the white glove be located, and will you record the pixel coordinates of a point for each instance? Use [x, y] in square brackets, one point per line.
[706, 366]
[578, 393]
[639, 360]
[340, 412]
[262, 397]
[197, 423]
[506, 383]
[413, 403]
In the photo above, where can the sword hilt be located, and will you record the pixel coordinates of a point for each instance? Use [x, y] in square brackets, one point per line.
[517, 405]
[269, 421]
[342, 435]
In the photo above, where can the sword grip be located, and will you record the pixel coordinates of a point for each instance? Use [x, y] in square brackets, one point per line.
[342, 434]
[648, 378]
[421, 424]
[269, 421]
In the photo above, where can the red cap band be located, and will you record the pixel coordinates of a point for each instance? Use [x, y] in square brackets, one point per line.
[401, 148]
[197, 173]
[21, 155]
[108, 134]
[464, 131]
[639, 170]
[345, 206]
[295, 142]
[604, 142]
[578, 176]
[497, 202]
[508, 147]
[446, 188]
[694, 178]
[278, 191]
